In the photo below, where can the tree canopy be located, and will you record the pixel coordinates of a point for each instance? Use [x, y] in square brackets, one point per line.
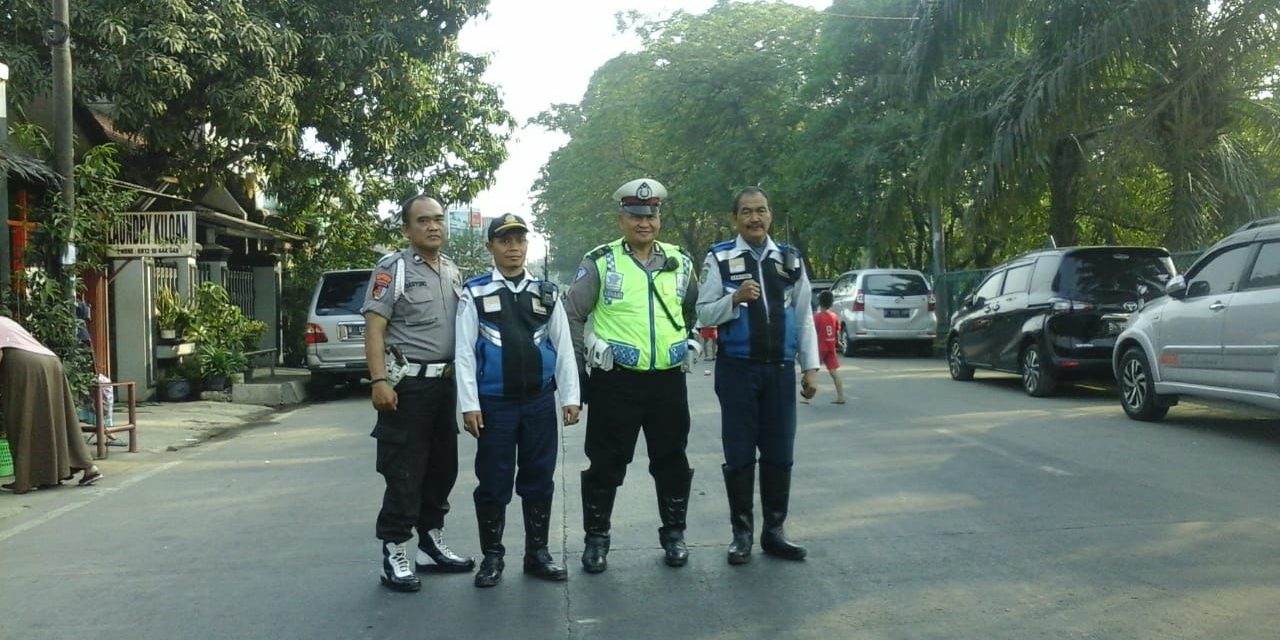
[1091, 122]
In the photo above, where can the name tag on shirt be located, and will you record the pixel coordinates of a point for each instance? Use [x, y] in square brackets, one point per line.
[492, 304]
[538, 307]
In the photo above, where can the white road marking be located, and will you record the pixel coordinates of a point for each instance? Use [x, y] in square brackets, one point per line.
[1003, 453]
[99, 492]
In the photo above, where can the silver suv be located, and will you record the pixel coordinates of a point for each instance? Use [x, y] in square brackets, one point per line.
[335, 329]
[885, 306]
[1216, 334]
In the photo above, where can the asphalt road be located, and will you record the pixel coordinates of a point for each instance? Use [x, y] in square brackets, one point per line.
[931, 509]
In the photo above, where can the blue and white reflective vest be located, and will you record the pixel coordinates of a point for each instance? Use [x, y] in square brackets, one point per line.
[514, 354]
[765, 330]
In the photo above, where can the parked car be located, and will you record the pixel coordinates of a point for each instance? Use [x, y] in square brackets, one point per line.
[816, 288]
[885, 307]
[335, 329]
[1054, 314]
[1217, 333]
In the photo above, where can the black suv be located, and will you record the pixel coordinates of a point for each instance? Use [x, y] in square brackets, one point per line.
[1054, 314]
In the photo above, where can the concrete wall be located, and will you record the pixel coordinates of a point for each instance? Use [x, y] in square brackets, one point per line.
[131, 314]
[266, 303]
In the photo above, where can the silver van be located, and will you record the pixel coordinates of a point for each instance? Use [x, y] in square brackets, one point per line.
[335, 329]
[1216, 334]
[885, 307]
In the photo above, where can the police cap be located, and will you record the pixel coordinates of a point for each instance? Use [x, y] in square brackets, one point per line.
[641, 197]
[506, 223]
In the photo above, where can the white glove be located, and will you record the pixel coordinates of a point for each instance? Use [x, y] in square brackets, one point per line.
[600, 356]
[691, 355]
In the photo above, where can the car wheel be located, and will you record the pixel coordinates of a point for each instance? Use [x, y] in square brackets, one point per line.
[1138, 389]
[955, 362]
[850, 347]
[1037, 380]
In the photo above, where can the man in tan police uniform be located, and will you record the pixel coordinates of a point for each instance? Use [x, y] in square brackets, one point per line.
[410, 305]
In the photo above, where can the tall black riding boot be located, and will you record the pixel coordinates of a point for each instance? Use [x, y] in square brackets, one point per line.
[537, 558]
[492, 519]
[740, 484]
[597, 508]
[775, 494]
[673, 506]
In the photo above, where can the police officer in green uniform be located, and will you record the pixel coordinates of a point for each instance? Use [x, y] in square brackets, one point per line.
[410, 305]
[639, 295]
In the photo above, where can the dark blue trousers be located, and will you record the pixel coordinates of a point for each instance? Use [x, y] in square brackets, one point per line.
[518, 434]
[757, 411]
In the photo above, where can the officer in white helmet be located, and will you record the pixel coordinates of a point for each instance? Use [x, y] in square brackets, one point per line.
[639, 294]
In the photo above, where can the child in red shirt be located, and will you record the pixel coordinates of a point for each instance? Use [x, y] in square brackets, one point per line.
[827, 324]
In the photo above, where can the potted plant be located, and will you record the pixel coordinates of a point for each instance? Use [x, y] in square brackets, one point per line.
[217, 363]
[178, 380]
[171, 314]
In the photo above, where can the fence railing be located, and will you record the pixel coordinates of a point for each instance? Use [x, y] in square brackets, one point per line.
[240, 289]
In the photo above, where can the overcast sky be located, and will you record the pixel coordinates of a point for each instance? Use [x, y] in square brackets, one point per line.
[543, 53]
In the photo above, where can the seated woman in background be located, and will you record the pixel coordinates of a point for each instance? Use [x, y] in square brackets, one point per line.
[39, 414]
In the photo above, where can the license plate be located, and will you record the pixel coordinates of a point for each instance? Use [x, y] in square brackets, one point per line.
[896, 313]
[353, 331]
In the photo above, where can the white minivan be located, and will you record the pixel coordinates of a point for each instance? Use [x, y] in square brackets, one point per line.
[1215, 335]
[335, 329]
[886, 307]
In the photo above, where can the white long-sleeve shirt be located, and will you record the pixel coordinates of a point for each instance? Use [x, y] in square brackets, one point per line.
[468, 330]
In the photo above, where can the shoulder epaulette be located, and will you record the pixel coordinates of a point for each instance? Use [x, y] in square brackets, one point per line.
[597, 253]
[389, 259]
[484, 278]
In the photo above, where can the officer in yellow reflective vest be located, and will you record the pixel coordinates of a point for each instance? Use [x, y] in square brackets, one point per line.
[639, 294]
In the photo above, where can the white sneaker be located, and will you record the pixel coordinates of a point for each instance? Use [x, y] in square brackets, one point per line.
[435, 555]
[397, 575]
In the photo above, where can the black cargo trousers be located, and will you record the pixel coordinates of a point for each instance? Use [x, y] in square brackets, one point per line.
[418, 457]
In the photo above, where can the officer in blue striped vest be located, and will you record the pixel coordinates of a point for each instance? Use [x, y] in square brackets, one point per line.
[514, 352]
[757, 292]
[639, 294]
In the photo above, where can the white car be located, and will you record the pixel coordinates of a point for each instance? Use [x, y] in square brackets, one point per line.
[885, 307]
[1216, 334]
[335, 329]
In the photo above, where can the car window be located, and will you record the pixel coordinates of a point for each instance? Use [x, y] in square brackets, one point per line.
[1266, 269]
[895, 284]
[842, 286]
[990, 287]
[341, 294]
[1105, 274]
[1016, 279]
[1220, 273]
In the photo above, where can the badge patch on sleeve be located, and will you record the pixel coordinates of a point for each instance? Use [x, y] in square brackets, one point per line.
[582, 271]
[380, 284]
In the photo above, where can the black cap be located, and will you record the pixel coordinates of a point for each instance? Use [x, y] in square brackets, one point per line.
[506, 223]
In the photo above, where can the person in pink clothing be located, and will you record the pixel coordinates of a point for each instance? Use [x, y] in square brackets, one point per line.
[827, 324]
[39, 415]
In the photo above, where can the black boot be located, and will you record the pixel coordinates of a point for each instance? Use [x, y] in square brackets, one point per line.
[492, 519]
[597, 507]
[740, 484]
[673, 506]
[775, 494]
[537, 559]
